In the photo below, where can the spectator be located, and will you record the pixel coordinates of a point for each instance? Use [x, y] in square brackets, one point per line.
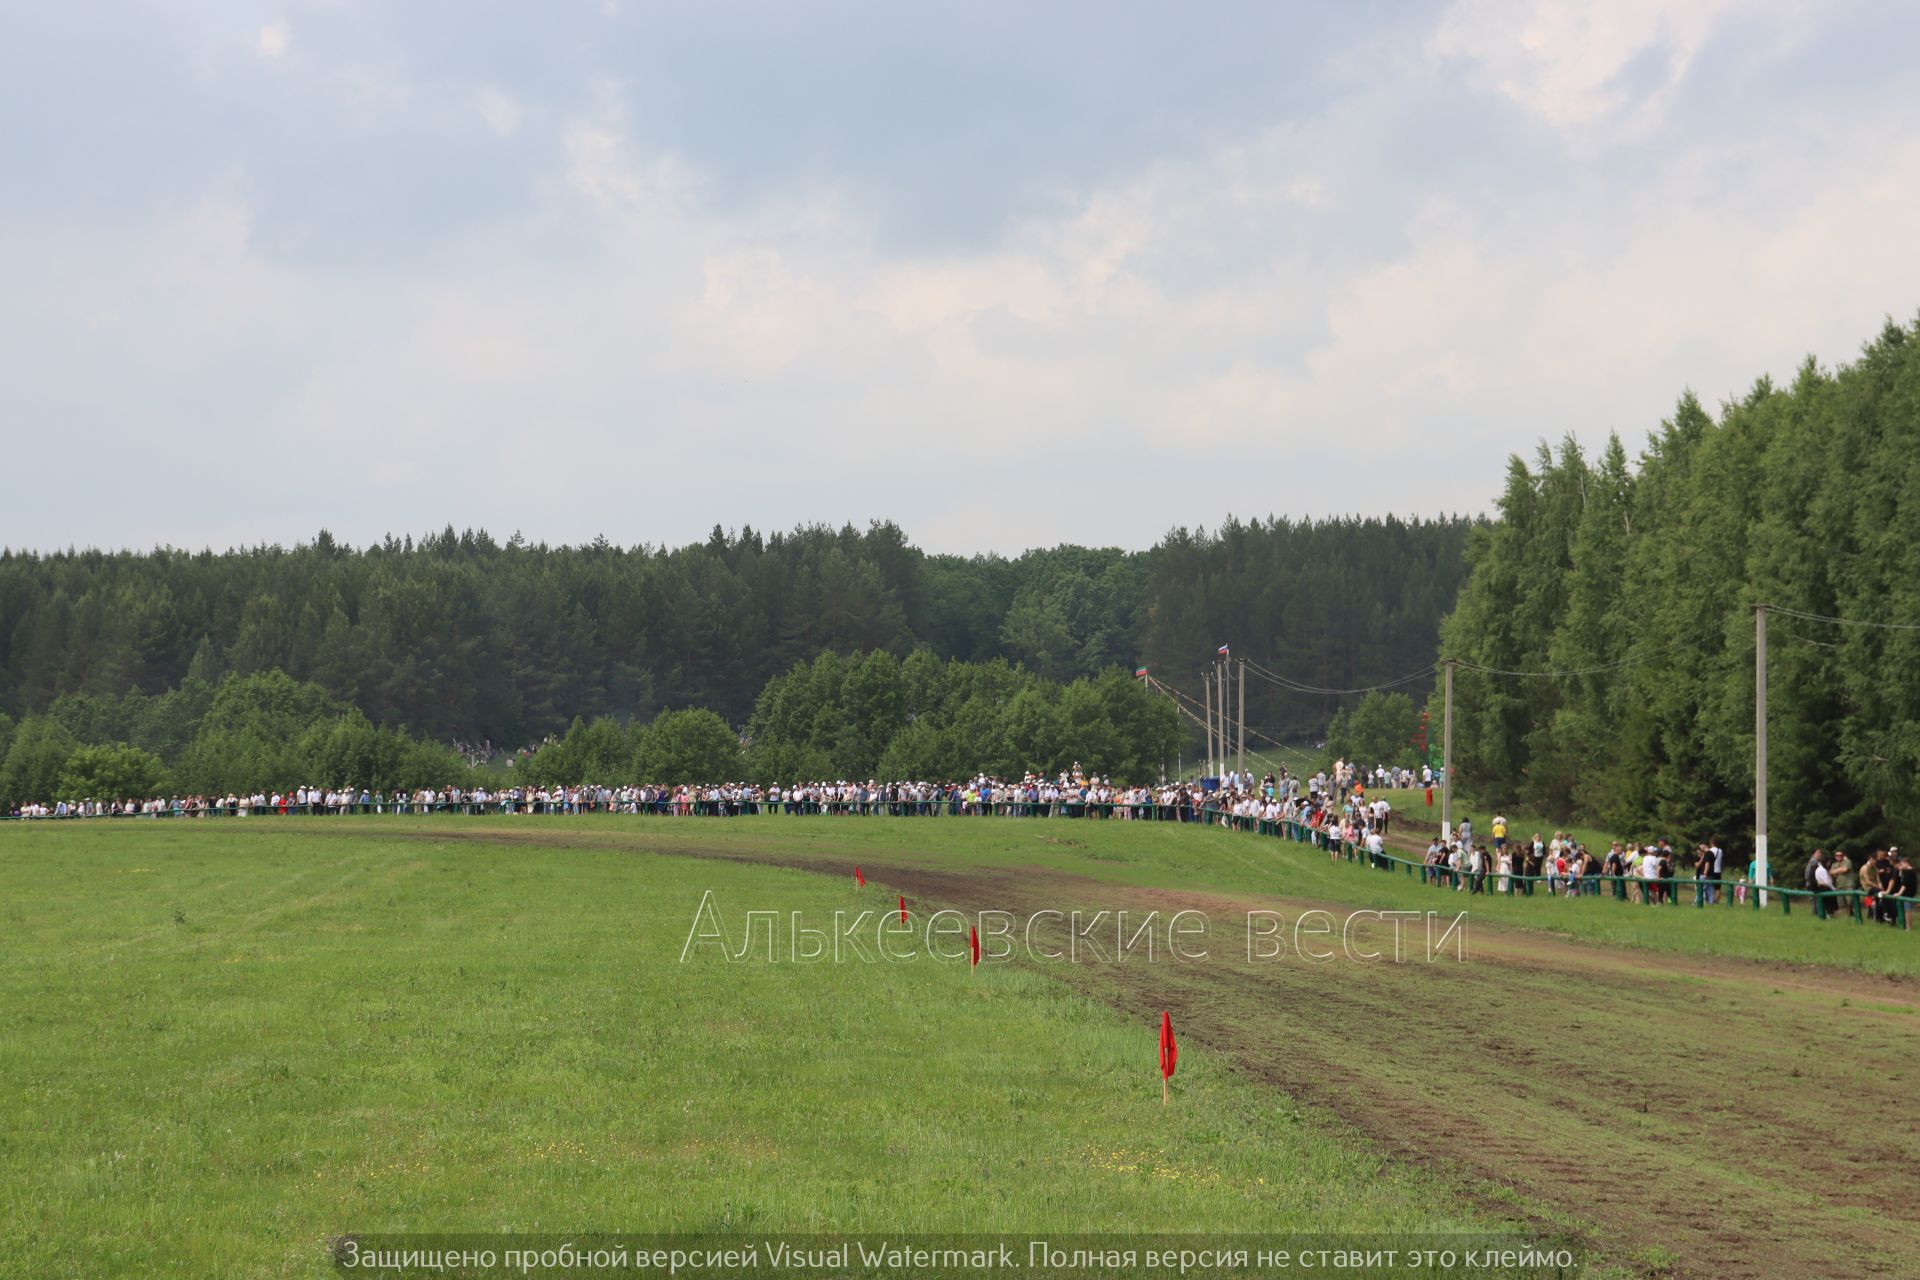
[1846, 879]
[1820, 880]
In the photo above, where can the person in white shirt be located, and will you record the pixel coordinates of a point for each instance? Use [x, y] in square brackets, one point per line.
[1714, 862]
[1822, 879]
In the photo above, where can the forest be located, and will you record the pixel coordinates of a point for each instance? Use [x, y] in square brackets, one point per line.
[1636, 584]
[833, 718]
[458, 637]
[1602, 628]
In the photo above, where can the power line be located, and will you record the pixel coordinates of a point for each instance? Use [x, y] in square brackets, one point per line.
[1793, 637]
[1261, 756]
[1621, 665]
[1180, 697]
[1785, 612]
[1297, 687]
[1678, 645]
[1164, 687]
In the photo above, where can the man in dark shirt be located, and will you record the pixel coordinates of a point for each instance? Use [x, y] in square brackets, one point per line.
[1909, 883]
[1877, 879]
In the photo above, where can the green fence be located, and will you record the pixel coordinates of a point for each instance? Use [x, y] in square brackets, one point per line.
[1856, 904]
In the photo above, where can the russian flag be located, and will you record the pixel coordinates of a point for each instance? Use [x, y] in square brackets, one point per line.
[1222, 651]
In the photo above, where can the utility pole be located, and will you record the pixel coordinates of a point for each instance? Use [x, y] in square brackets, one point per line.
[1206, 691]
[1242, 764]
[1446, 756]
[1760, 875]
[1220, 689]
[1220, 728]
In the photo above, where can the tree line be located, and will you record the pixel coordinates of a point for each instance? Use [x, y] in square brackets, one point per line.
[871, 716]
[458, 636]
[1637, 583]
[1382, 728]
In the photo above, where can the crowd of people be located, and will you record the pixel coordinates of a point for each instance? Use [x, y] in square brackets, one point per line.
[1565, 867]
[1884, 882]
[478, 755]
[1339, 810]
[1342, 812]
[1071, 793]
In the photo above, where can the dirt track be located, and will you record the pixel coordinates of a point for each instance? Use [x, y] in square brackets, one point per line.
[1601, 1088]
[1603, 1091]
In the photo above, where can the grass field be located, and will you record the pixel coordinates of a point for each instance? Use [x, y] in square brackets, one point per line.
[229, 1042]
[1184, 857]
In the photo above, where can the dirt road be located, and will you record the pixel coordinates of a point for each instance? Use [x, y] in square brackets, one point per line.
[1686, 1115]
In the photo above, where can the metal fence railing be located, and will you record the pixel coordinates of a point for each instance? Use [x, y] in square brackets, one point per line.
[1694, 891]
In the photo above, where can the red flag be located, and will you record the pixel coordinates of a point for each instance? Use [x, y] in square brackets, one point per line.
[903, 909]
[1429, 797]
[858, 878]
[973, 937]
[1169, 1051]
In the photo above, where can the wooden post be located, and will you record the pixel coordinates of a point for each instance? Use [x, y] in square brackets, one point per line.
[1760, 873]
[1206, 695]
[1446, 756]
[1242, 764]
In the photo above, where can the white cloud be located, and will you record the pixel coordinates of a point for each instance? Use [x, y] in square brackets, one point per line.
[630, 346]
[273, 39]
[1569, 61]
[500, 111]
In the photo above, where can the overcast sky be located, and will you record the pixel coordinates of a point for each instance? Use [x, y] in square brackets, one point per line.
[1007, 274]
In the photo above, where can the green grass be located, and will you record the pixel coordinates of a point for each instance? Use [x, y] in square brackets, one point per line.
[1268, 757]
[227, 1043]
[1189, 856]
[1411, 804]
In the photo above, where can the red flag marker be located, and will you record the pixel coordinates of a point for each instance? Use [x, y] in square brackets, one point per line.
[973, 937]
[1429, 797]
[859, 879]
[903, 909]
[1169, 1054]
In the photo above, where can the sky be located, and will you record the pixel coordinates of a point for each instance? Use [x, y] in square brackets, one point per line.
[1008, 275]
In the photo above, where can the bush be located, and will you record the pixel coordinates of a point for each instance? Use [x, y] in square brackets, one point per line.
[688, 746]
[1379, 730]
[117, 772]
[35, 758]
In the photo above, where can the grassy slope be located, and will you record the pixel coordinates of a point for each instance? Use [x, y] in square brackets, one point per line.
[1411, 805]
[228, 1043]
[1189, 856]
